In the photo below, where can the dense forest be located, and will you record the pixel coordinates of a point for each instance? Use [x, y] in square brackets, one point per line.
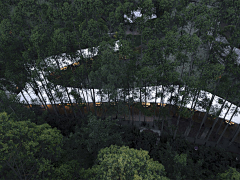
[100, 140]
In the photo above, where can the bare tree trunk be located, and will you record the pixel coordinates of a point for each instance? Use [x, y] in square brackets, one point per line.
[55, 88]
[206, 114]
[219, 127]
[179, 113]
[204, 118]
[145, 101]
[188, 129]
[26, 101]
[216, 120]
[93, 98]
[227, 125]
[53, 106]
[129, 110]
[42, 100]
[235, 135]
[32, 99]
[161, 104]
[74, 113]
[57, 62]
[81, 113]
[154, 116]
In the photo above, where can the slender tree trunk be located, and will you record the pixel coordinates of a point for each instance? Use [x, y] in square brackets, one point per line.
[191, 120]
[145, 101]
[93, 98]
[59, 98]
[32, 99]
[129, 117]
[124, 95]
[53, 106]
[74, 113]
[161, 104]
[80, 49]
[168, 119]
[88, 106]
[216, 120]
[194, 100]
[227, 125]
[109, 104]
[204, 118]
[81, 113]
[140, 94]
[57, 62]
[155, 106]
[58, 67]
[206, 114]
[219, 127]
[235, 135]
[42, 100]
[26, 101]
[102, 107]
[186, 89]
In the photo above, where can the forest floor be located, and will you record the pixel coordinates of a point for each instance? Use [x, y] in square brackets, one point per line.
[184, 123]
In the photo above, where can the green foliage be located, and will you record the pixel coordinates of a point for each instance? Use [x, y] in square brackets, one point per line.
[93, 135]
[186, 113]
[98, 134]
[124, 163]
[67, 170]
[27, 150]
[231, 174]
[30, 31]
[13, 107]
[147, 141]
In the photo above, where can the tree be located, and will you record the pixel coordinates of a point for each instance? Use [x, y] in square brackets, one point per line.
[54, 22]
[214, 33]
[208, 106]
[16, 110]
[109, 74]
[124, 163]
[93, 135]
[189, 46]
[27, 150]
[224, 86]
[227, 124]
[231, 173]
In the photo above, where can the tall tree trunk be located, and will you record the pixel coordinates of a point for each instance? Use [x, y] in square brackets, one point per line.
[57, 62]
[81, 113]
[145, 101]
[161, 106]
[74, 113]
[155, 106]
[235, 135]
[208, 109]
[26, 101]
[227, 125]
[204, 118]
[93, 98]
[188, 129]
[194, 100]
[61, 100]
[129, 117]
[186, 89]
[219, 127]
[216, 120]
[49, 97]
[42, 100]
